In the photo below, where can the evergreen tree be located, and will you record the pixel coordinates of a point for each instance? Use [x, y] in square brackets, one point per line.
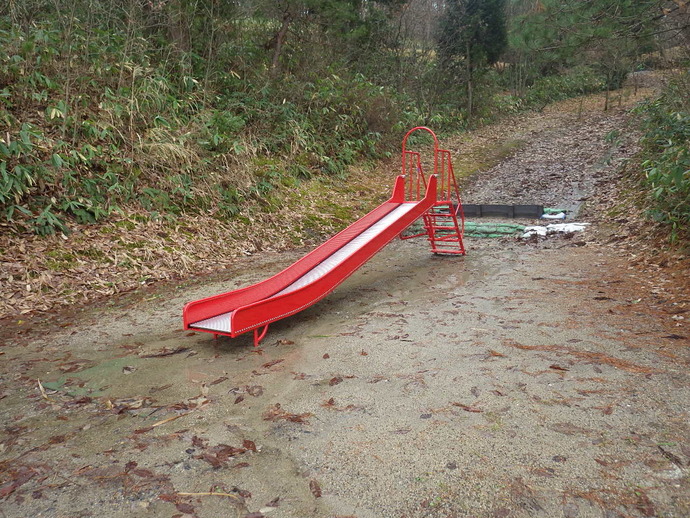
[549, 36]
[472, 36]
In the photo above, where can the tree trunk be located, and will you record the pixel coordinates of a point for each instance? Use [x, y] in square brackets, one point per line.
[608, 92]
[470, 86]
[279, 41]
[180, 35]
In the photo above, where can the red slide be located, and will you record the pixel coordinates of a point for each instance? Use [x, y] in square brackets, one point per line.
[318, 273]
[311, 278]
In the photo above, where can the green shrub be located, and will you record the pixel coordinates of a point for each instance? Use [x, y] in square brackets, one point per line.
[667, 150]
[574, 82]
[98, 118]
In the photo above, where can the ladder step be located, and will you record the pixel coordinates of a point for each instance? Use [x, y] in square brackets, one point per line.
[441, 251]
[445, 232]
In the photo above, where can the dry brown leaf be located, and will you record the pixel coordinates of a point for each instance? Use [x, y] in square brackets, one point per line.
[276, 413]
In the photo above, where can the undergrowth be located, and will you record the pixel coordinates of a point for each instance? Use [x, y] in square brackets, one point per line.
[91, 126]
[667, 157]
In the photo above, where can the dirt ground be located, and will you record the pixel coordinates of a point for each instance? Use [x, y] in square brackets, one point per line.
[531, 378]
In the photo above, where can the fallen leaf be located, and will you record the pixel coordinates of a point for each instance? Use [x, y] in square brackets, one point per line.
[143, 473]
[335, 381]
[670, 456]
[644, 504]
[330, 404]
[165, 352]
[43, 391]
[315, 488]
[606, 410]
[594, 357]
[223, 452]
[467, 408]
[255, 390]
[558, 368]
[543, 472]
[276, 413]
[211, 459]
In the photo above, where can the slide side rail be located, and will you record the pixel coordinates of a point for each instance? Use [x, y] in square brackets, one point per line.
[225, 302]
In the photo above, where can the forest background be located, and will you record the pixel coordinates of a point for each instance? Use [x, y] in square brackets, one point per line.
[136, 111]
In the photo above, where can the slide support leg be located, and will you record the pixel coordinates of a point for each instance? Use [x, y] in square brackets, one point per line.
[258, 337]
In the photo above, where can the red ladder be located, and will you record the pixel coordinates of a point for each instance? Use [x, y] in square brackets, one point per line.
[444, 223]
[444, 231]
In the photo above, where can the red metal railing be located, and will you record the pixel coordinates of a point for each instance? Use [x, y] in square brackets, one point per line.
[415, 179]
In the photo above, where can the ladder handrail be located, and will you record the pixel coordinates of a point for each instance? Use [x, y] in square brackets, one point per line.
[442, 160]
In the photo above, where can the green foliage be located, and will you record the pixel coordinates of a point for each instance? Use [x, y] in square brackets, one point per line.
[117, 125]
[576, 81]
[472, 36]
[473, 30]
[550, 36]
[667, 148]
